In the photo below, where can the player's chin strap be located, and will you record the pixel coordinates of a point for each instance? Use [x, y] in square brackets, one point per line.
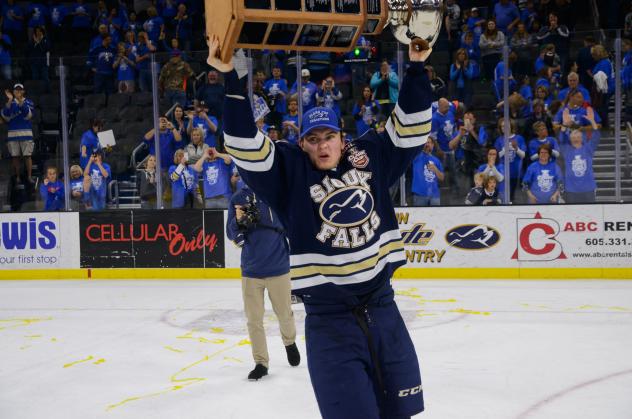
[361, 313]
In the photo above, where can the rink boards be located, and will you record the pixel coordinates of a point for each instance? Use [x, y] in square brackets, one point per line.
[517, 242]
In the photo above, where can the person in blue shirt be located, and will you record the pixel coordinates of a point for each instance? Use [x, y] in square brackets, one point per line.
[573, 84]
[470, 45]
[90, 142]
[132, 24]
[542, 137]
[365, 111]
[101, 14]
[101, 62]
[579, 177]
[114, 23]
[199, 118]
[97, 41]
[58, 13]
[52, 191]
[81, 16]
[493, 167]
[291, 122]
[276, 90]
[443, 125]
[499, 76]
[13, 20]
[183, 182]
[258, 231]
[525, 89]
[507, 16]
[462, 72]
[96, 177]
[216, 170]
[38, 16]
[427, 173]
[58, 31]
[574, 115]
[543, 180]
[183, 27]
[517, 151]
[309, 90]
[603, 80]
[168, 10]
[169, 140]
[626, 75]
[5, 56]
[154, 25]
[17, 113]
[143, 61]
[125, 67]
[385, 85]
[542, 94]
[475, 23]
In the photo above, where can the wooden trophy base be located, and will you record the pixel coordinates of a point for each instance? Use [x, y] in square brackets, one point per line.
[291, 25]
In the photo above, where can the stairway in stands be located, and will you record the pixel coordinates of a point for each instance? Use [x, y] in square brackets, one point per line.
[604, 165]
[128, 194]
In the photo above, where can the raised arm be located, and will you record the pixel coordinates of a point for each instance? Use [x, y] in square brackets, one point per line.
[408, 127]
[262, 165]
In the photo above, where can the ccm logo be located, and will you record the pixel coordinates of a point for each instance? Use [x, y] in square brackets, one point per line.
[410, 391]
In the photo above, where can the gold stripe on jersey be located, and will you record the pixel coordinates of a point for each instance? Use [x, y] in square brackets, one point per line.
[350, 269]
[251, 155]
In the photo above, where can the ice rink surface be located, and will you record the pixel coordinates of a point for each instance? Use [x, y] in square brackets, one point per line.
[179, 349]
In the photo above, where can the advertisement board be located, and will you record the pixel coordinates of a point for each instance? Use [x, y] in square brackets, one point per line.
[152, 239]
[598, 236]
[39, 241]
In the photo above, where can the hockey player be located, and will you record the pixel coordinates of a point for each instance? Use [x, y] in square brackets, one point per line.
[345, 242]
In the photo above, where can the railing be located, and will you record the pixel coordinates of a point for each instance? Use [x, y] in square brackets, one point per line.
[628, 149]
[113, 193]
[597, 20]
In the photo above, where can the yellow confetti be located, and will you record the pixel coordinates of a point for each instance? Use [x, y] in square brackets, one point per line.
[21, 322]
[79, 362]
[173, 349]
[464, 311]
[178, 383]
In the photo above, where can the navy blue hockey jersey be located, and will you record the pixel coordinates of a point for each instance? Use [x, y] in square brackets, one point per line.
[344, 237]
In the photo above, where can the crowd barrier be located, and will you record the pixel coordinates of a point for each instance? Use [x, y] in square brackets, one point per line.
[518, 242]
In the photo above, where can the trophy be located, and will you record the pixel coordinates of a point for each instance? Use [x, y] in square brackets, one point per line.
[317, 25]
[411, 19]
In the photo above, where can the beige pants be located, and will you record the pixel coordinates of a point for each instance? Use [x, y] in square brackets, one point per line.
[279, 293]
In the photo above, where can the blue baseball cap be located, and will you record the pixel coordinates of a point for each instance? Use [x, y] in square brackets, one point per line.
[319, 118]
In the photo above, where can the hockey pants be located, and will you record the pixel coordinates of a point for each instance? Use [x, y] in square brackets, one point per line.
[361, 360]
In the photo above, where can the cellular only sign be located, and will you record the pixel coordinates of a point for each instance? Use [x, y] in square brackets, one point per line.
[39, 241]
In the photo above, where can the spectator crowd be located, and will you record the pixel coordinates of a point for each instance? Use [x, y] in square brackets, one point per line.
[559, 98]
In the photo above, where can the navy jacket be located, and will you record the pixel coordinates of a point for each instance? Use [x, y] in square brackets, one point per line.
[265, 249]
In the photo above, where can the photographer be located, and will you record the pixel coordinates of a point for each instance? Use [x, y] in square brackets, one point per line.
[217, 169]
[96, 176]
[199, 118]
[385, 84]
[265, 264]
[328, 96]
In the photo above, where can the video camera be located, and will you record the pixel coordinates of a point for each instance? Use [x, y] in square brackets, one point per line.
[251, 214]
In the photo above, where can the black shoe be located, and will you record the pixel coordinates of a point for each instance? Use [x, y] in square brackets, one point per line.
[293, 356]
[259, 372]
